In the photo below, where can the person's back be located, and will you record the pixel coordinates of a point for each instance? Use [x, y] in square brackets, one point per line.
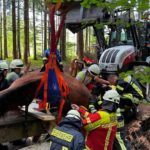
[101, 126]
[67, 135]
[3, 73]
[101, 132]
[16, 65]
[11, 77]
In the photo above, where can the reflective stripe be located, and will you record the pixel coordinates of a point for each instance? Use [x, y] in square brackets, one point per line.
[88, 120]
[86, 114]
[120, 124]
[120, 141]
[120, 88]
[108, 125]
[91, 106]
[62, 135]
[137, 89]
[93, 125]
[113, 87]
[100, 102]
[97, 124]
[87, 148]
[64, 148]
[128, 79]
[128, 96]
[50, 144]
[107, 139]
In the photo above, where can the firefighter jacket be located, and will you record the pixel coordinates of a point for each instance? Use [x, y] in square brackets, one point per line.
[11, 77]
[100, 129]
[67, 136]
[131, 89]
[83, 77]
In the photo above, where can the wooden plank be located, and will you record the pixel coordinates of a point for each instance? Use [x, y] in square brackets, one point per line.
[40, 115]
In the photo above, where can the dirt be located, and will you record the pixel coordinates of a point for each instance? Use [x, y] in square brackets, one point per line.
[139, 130]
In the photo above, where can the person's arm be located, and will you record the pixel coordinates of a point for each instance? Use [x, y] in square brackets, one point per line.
[26, 68]
[101, 81]
[88, 117]
[82, 110]
[80, 143]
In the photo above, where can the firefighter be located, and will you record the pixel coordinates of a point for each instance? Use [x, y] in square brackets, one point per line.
[58, 59]
[91, 75]
[67, 135]
[101, 126]
[132, 95]
[16, 66]
[3, 73]
[131, 90]
[75, 67]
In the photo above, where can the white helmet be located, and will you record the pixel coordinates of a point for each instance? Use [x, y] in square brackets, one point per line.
[16, 63]
[112, 96]
[73, 114]
[3, 65]
[94, 69]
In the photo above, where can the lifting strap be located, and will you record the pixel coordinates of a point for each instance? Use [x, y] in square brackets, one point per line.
[52, 83]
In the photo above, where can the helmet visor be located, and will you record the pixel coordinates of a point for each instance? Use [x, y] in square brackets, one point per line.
[19, 66]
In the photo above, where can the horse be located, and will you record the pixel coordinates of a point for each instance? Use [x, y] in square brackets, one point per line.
[23, 90]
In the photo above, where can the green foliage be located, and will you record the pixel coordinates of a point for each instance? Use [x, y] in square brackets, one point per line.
[140, 73]
[36, 64]
[123, 4]
[70, 51]
[143, 74]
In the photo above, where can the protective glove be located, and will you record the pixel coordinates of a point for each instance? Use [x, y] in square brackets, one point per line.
[75, 107]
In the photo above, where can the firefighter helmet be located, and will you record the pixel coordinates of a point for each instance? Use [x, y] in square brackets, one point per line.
[73, 114]
[112, 96]
[94, 69]
[3, 65]
[16, 63]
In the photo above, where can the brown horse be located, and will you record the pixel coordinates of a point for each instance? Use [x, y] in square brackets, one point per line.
[23, 90]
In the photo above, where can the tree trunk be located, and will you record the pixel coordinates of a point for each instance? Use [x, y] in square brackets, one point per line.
[14, 28]
[18, 31]
[34, 32]
[80, 44]
[89, 37]
[1, 46]
[45, 27]
[5, 29]
[42, 32]
[63, 43]
[49, 34]
[86, 39]
[26, 31]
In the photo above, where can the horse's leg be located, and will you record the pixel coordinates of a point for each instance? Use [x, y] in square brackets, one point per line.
[61, 106]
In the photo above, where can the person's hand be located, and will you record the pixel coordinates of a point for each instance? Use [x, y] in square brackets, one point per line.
[74, 106]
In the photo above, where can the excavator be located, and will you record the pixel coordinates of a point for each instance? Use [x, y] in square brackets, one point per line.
[127, 45]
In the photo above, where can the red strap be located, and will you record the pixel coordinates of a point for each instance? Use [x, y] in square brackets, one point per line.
[52, 23]
[52, 59]
[60, 28]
